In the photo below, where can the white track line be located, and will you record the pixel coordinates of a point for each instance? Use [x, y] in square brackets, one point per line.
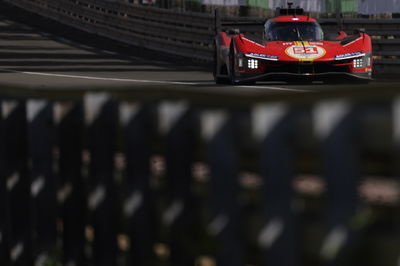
[273, 88]
[99, 78]
[140, 80]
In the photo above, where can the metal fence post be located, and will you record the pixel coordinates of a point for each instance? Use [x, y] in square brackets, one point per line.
[217, 21]
[219, 131]
[395, 110]
[14, 145]
[176, 124]
[138, 205]
[4, 213]
[71, 193]
[339, 18]
[272, 127]
[335, 124]
[101, 121]
[43, 185]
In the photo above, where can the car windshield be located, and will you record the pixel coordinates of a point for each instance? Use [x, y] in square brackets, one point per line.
[293, 31]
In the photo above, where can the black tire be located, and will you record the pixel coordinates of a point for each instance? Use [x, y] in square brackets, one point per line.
[216, 71]
[232, 76]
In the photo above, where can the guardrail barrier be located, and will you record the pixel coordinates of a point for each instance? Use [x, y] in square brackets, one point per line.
[190, 34]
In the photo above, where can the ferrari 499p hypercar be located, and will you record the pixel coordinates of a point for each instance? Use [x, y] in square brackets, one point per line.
[292, 48]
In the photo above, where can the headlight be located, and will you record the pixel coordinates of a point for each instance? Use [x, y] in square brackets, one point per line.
[252, 63]
[240, 62]
[362, 62]
[358, 63]
[369, 60]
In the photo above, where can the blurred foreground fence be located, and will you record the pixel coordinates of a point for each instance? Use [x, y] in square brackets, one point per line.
[191, 34]
[200, 178]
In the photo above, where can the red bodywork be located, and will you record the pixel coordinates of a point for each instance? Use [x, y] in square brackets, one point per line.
[284, 60]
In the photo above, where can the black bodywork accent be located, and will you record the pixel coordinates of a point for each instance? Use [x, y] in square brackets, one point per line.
[315, 68]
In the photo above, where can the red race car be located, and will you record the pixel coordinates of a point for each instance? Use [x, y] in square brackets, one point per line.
[293, 47]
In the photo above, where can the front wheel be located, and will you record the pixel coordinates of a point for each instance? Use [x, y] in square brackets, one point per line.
[232, 71]
[217, 71]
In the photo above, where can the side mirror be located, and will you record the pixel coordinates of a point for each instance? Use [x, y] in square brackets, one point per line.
[359, 31]
[341, 35]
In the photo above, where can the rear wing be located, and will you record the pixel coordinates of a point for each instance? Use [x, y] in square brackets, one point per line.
[289, 11]
[221, 24]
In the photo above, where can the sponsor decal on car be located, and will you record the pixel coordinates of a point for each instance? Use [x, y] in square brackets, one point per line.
[349, 55]
[263, 56]
[305, 51]
[317, 43]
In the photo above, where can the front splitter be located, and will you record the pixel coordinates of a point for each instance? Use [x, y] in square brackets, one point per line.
[286, 76]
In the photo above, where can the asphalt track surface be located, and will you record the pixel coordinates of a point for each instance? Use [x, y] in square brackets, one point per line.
[38, 60]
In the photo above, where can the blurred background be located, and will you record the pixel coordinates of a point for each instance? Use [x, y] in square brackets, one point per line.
[117, 148]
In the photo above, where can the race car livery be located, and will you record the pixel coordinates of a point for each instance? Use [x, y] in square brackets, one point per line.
[293, 47]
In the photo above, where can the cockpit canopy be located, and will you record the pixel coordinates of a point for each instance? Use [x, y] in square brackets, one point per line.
[293, 31]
